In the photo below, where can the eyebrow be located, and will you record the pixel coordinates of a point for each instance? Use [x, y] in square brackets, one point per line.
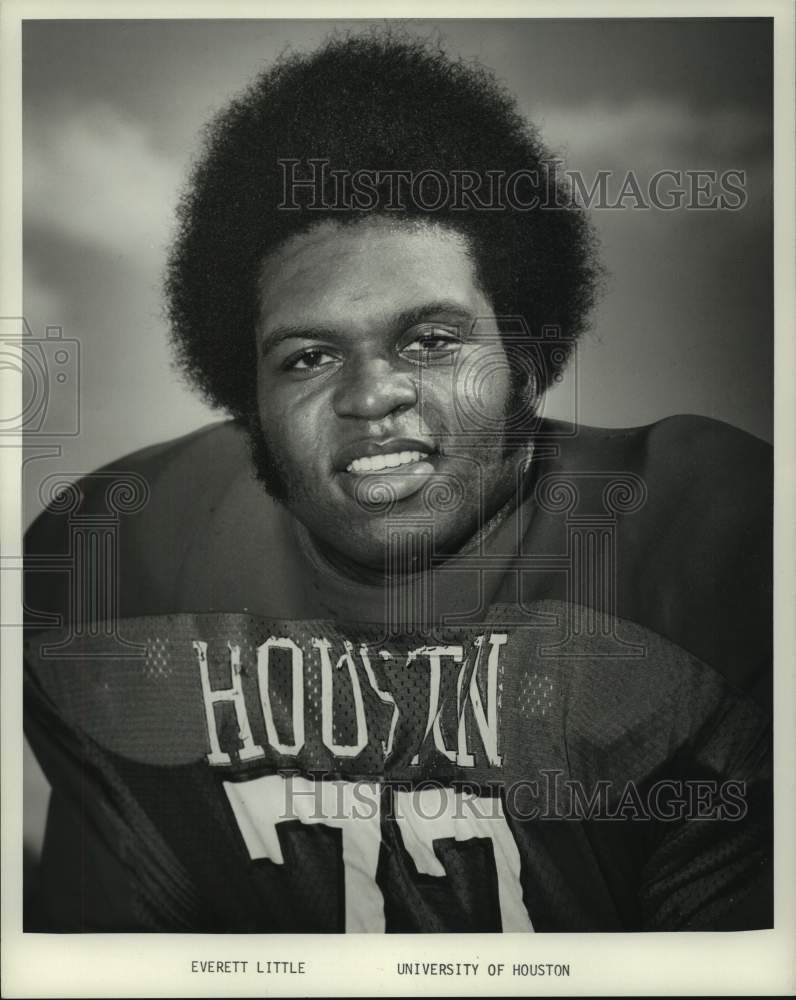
[403, 320]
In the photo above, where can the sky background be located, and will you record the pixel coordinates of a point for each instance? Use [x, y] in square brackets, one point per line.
[112, 110]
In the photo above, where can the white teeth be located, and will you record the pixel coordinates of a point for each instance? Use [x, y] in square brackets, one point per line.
[375, 463]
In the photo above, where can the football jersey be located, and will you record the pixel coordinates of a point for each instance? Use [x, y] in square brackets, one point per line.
[564, 726]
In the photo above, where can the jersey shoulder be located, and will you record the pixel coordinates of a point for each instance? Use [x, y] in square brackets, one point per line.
[694, 533]
[696, 443]
[147, 508]
[694, 473]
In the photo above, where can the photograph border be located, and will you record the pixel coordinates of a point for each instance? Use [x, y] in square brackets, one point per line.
[90, 965]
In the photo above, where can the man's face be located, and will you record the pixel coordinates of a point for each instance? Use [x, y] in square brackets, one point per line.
[374, 339]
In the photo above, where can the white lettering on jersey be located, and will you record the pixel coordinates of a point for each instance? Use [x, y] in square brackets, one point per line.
[424, 816]
[250, 750]
[487, 722]
[297, 671]
[483, 711]
[327, 707]
[260, 805]
[435, 654]
[384, 696]
[429, 814]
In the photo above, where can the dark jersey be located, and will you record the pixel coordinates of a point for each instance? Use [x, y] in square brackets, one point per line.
[563, 727]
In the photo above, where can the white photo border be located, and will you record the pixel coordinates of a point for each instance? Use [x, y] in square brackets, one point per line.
[750, 963]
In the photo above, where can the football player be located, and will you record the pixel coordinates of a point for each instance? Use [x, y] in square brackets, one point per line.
[388, 650]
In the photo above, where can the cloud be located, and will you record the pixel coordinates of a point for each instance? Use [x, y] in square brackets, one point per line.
[94, 177]
[653, 135]
[45, 304]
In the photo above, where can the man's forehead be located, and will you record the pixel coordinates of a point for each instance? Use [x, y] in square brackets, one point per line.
[369, 244]
[380, 266]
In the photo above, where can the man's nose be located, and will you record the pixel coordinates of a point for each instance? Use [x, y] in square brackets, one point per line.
[373, 389]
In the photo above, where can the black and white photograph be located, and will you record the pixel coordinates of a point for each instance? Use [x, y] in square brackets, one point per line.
[395, 441]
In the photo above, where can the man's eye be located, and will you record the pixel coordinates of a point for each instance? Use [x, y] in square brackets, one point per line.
[309, 361]
[433, 343]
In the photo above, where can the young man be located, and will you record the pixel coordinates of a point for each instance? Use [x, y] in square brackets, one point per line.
[389, 651]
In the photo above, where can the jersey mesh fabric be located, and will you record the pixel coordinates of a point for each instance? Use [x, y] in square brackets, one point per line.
[593, 718]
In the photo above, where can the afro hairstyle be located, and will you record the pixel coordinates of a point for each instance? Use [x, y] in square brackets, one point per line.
[380, 102]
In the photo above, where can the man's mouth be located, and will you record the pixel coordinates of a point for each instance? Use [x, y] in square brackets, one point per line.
[391, 460]
[403, 465]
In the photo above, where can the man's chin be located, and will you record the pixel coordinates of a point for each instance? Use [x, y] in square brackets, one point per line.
[391, 521]
[375, 559]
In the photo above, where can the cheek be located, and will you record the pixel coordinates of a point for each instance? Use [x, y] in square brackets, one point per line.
[293, 425]
[482, 388]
